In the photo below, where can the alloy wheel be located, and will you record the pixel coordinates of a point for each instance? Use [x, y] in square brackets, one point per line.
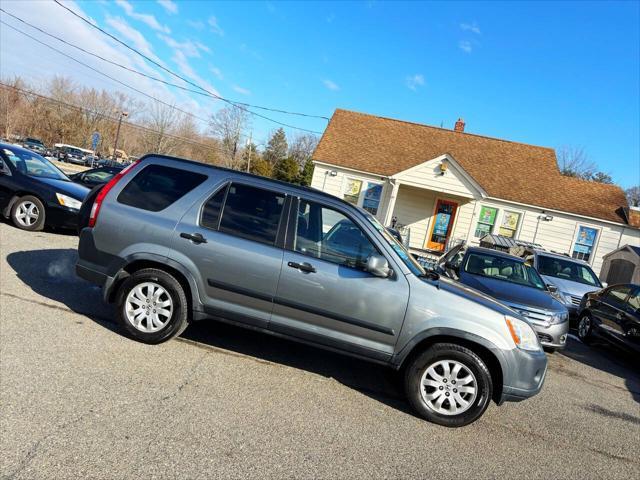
[448, 387]
[584, 327]
[27, 213]
[148, 307]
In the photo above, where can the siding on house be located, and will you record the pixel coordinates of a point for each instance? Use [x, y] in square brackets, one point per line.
[428, 175]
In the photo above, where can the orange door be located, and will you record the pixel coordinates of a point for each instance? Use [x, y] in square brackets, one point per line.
[444, 215]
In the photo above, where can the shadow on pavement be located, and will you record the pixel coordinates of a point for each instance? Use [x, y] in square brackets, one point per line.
[608, 358]
[51, 274]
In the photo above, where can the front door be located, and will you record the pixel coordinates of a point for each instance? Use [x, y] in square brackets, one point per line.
[444, 215]
[325, 294]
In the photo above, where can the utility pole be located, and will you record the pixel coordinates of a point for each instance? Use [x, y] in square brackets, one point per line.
[115, 146]
[249, 156]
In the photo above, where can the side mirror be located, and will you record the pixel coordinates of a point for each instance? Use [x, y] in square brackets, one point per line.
[377, 265]
[552, 288]
[450, 266]
[604, 284]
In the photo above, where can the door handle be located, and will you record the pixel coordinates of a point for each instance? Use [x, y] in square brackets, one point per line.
[194, 237]
[304, 267]
[619, 316]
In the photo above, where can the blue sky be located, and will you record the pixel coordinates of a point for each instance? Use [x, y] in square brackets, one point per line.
[544, 73]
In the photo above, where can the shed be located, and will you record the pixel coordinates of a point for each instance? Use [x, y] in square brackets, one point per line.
[621, 266]
[505, 244]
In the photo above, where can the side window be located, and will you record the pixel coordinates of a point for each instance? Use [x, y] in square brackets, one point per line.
[618, 294]
[326, 234]
[252, 213]
[634, 300]
[211, 210]
[156, 187]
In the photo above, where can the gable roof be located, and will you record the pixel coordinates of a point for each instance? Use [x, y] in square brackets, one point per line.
[506, 170]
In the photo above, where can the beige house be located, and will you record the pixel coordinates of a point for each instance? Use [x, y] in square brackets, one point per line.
[441, 187]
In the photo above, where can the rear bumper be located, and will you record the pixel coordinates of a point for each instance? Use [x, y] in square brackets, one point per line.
[97, 267]
[529, 370]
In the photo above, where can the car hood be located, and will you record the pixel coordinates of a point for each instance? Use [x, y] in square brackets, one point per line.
[511, 293]
[464, 291]
[568, 286]
[67, 188]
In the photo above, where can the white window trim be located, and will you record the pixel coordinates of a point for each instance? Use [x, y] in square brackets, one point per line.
[476, 220]
[595, 245]
[500, 217]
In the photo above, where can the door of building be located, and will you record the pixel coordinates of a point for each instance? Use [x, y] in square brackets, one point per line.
[441, 226]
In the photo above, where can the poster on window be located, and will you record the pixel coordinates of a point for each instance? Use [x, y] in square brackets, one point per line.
[442, 224]
[353, 187]
[373, 192]
[510, 220]
[488, 215]
[586, 236]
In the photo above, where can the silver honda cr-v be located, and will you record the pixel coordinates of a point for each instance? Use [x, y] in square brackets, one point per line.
[173, 241]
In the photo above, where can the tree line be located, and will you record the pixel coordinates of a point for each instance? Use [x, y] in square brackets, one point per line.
[61, 111]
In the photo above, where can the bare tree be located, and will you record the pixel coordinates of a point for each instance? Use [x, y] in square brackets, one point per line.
[228, 125]
[574, 162]
[633, 196]
[302, 148]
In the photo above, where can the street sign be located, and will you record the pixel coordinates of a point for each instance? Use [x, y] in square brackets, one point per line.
[95, 138]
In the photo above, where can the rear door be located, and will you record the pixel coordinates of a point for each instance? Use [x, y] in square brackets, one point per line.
[324, 293]
[612, 309]
[232, 241]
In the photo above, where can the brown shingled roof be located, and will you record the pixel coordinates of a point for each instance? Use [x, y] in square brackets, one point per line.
[506, 170]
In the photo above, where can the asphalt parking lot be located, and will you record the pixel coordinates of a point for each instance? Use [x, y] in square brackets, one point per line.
[81, 400]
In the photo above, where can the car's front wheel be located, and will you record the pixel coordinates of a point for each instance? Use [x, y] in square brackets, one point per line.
[585, 328]
[152, 306]
[448, 384]
[28, 213]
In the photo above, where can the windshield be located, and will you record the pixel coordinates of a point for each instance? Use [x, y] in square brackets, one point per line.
[502, 268]
[567, 270]
[400, 249]
[32, 164]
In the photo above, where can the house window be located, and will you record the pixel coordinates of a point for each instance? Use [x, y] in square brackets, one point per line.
[509, 224]
[486, 221]
[363, 194]
[585, 243]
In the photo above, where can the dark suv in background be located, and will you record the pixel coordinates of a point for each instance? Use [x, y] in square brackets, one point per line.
[172, 241]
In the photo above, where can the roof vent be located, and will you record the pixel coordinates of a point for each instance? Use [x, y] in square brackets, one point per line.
[459, 125]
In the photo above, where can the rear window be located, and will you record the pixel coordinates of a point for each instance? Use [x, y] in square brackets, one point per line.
[156, 187]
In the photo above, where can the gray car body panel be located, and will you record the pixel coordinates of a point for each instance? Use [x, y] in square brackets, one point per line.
[335, 307]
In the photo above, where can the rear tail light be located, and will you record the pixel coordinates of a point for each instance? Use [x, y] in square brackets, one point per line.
[95, 208]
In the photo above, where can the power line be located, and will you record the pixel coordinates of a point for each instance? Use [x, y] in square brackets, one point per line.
[151, 77]
[179, 76]
[103, 115]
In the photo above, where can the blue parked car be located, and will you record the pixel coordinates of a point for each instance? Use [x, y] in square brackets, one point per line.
[512, 281]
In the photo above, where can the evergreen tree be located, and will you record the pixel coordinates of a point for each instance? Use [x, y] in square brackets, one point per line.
[286, 169]
[307, 173]
[277, 147]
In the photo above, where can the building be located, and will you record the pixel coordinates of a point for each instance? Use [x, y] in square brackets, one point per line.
[440, 187]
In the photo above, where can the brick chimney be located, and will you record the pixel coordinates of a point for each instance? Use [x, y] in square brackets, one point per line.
[459, 125]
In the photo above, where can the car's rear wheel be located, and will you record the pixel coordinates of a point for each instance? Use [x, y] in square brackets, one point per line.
[585, 328]
[152, 306]
[28, 213]
[448, 384]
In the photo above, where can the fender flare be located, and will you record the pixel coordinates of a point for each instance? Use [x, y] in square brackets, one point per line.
[398, 359]
[120, 274]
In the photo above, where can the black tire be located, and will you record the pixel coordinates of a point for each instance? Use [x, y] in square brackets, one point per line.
[179, 318]
[585, 334]
[38, 224]
[451, 352]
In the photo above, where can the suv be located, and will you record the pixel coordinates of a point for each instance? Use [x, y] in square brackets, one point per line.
[573, 278]
[513, 282]
[172, 241]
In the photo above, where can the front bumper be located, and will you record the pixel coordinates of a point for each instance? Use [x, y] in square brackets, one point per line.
[528, 372]
[59, 216]
[551, 336]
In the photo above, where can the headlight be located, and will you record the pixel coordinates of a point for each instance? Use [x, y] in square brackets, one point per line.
[523, 335]
[67, 201]
[558, 318]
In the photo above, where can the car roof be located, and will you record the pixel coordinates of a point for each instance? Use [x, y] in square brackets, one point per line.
[495, 253]
[239, 173]
[11, 146]
[560, 256]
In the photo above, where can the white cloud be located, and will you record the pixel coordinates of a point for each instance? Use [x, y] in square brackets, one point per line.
[197, 24]
[465, 46]
[471, 27]
[415, 81]
[213, 25]
[169, 6]
[121, 26]
[189, 48]
[187, 70]
[145, 18]
[217, 72]
[330, 85]
[240, 90]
